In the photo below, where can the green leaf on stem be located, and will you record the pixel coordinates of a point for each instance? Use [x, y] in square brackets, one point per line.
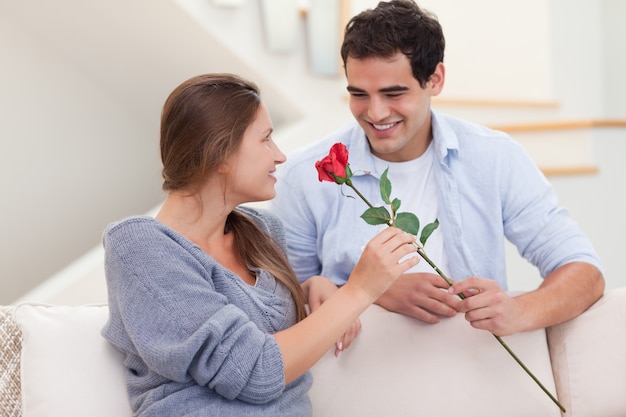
[408, 222]
[376, 215]
[395, 205]
[428, 230]
[385, 187]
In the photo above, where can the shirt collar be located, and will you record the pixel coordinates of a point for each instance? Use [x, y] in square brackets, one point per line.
[362, 162]
[444, 137]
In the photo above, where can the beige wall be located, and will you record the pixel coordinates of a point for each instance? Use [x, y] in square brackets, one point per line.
[80, 106]
[73, 157]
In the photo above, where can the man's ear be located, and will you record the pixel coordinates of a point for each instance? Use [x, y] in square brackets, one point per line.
[437, 79]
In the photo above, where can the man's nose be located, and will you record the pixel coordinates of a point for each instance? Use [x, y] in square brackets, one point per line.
[377, 110]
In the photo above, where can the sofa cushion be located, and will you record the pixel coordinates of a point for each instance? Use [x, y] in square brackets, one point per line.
[589, 358]
[68, 369]
[399, 366]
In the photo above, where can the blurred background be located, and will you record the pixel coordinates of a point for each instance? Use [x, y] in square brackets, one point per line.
[82, 84]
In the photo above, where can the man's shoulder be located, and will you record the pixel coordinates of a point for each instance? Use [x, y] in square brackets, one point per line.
[465, 129]
[473, 140]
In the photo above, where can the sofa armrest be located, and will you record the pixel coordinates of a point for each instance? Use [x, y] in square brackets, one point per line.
[588, 356]
[67, 368]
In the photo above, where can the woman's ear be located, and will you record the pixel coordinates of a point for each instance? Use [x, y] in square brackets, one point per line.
[223, 169]
[437, 80]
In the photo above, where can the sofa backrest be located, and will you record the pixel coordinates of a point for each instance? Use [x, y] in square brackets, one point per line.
[398, 366]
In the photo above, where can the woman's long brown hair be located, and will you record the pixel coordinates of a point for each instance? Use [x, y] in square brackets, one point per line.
[202, 126]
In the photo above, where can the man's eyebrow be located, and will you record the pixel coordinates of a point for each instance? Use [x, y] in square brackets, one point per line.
[392, 89]
[354, 89]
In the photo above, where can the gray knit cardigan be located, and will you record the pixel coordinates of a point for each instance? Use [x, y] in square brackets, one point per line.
[197, 340]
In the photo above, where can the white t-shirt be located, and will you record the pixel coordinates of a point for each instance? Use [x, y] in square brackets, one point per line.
[413, 185]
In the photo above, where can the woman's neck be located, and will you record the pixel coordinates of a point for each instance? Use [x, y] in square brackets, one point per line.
[206, 225]
[197, 219]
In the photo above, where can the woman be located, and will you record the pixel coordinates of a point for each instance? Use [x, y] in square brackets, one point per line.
[203, 302]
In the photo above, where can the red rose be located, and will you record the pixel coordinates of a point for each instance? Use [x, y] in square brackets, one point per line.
[334, 166]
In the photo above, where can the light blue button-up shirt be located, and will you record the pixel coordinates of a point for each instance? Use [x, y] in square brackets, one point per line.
[488, 189]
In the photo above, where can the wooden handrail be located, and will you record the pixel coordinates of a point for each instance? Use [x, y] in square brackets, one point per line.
[563, 125]
[574, 170]
[469, 102]
[560, 125]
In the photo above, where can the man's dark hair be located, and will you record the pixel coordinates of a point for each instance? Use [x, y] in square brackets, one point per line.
[392, 27]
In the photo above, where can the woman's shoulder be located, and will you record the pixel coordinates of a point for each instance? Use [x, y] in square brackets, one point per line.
[140, 231]
[131, 224]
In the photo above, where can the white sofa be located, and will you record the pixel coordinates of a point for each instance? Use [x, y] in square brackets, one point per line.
[54, 363]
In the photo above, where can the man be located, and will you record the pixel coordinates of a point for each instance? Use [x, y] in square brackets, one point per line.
[478, 183]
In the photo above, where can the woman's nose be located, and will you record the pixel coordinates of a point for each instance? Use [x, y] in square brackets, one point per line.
[279, 156]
